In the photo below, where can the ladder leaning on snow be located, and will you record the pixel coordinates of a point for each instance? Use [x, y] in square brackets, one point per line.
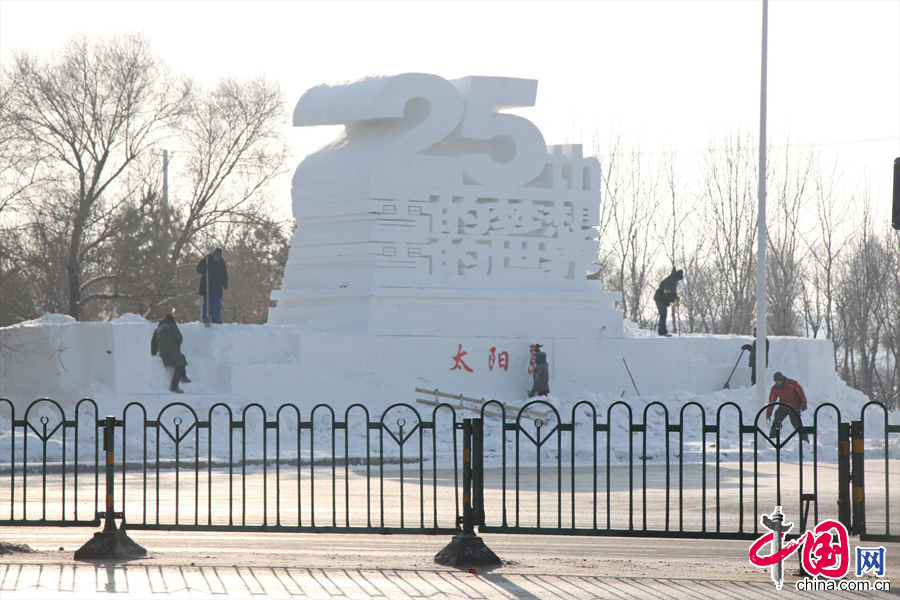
[511, 411]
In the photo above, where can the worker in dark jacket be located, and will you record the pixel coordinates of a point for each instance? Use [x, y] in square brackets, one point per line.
[167, 343]
[541, 374]
[213, 283]
[752, 349]
[787, 391]
[666, 294]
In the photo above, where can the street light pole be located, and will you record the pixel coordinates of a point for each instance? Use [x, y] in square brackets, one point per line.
[165, 193]
[761, 378]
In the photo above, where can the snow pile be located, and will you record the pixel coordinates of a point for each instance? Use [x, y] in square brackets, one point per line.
[727, 409]
[130, 318]
[48, 319]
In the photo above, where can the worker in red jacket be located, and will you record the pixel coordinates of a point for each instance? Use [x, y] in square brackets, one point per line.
[787, 391]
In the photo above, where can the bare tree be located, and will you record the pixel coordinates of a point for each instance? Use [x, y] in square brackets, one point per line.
[860, 293]
[728, 183]
[825, 246]
[234, 146]
[19, 166]
[788, 189]
[676, 235]
[630, 185]
[90, 115]
[92, 122]
[17, 175]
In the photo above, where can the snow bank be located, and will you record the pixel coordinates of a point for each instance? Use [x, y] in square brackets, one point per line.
[319, 362]
[306, 369]
[727, 409]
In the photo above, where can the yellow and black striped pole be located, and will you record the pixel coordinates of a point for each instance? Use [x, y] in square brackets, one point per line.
[468, 524]
[858, 474]
[109, 444]
[844, 474]
[466, 548]
[478, 471]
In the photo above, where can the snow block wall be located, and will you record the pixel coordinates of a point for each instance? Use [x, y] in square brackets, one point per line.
[238, 364]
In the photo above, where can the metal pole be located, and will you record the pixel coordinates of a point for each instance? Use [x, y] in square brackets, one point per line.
[761, 379]
[478, 471]
[165, 193]
[466, 548]
[858, 475]
[206, 300]
[844, 474]
[468, 524]
[109, 442]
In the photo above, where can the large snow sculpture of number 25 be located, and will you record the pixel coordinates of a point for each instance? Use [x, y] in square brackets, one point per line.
[416, 125]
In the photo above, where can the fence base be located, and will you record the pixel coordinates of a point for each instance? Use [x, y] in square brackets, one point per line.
[466, 549]
[110, 545]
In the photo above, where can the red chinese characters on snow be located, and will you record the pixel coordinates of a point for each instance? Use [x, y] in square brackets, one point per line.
[458, 363]
[501, 359]
[495, 359]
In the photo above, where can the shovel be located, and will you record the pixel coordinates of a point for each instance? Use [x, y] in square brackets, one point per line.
[737, 362]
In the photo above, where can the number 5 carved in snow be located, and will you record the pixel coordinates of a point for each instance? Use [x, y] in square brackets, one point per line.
[517, 150]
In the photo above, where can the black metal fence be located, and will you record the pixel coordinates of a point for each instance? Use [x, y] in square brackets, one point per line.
[622, 470]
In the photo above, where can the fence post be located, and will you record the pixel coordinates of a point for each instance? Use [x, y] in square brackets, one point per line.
[111, 543]
[478, 471]
[858, 474]
[466, 548]
[109, 446]
[844, 475]
[468, 524]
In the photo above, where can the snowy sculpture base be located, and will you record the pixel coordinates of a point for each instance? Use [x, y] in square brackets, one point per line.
[449, 312]
[58, 358]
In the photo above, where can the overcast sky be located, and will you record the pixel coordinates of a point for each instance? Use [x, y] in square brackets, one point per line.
[670, 74]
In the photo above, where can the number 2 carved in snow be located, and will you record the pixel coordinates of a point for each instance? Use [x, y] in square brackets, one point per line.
[452, 130]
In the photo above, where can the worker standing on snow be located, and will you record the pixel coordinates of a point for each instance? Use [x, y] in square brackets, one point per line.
[666, 294]
[752, 349]
[167, 342]
[213, 283]
[787, 391]
[541, 374]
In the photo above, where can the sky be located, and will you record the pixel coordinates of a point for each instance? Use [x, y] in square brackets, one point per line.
[667, 75]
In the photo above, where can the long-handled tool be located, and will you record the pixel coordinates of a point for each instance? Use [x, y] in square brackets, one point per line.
[675, 316]
[632, 378]
[208, 300]
[737, 362]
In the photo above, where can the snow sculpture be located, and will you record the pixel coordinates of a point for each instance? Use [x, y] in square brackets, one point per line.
[434, 213]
